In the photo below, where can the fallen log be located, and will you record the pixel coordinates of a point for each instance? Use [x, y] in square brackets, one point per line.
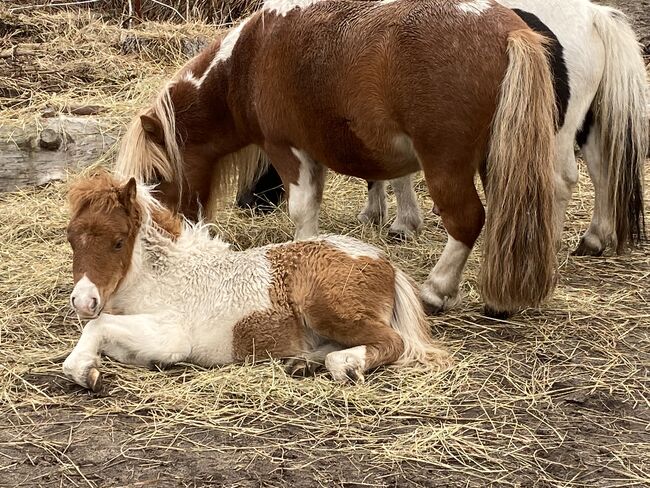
[38, 153]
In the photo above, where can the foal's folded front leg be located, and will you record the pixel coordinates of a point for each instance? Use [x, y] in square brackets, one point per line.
[131, 339]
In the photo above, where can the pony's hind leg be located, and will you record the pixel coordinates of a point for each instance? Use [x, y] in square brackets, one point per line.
[601, 232]
[452, 188]
[375, 209]
[408, 220]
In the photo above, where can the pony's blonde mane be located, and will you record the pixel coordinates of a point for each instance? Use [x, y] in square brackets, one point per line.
[141, 157]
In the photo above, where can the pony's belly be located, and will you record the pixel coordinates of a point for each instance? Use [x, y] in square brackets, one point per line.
[392, 157]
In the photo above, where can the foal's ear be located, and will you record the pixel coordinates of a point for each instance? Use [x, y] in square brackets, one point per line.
[153, 128]
[128, 193]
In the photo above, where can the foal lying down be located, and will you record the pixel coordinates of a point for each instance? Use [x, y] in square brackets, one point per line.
[161, 291]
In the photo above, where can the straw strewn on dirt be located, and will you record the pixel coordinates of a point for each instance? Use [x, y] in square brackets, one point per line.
[555, 397]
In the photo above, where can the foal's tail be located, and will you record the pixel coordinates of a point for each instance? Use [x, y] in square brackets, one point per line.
[410, 321]
[620, 110]
[520, 265]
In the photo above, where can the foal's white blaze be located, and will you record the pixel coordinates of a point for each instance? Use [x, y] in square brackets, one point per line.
[441, 288]
[303, 198]
[475, 7]
[85, 297]
[283, 7]
[340, 363]
[225, 50]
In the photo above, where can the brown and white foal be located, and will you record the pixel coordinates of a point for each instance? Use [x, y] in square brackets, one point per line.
[159, 290]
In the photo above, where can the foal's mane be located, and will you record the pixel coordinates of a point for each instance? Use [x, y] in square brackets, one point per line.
[102, 192]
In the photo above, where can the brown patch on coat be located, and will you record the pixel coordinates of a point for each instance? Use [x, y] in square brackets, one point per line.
[321, 291]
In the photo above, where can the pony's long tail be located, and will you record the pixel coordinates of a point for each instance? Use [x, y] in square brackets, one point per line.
[520, 265]
[409, 320]
[620, 111]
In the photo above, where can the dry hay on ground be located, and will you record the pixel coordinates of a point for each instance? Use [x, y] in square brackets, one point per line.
[555, 397]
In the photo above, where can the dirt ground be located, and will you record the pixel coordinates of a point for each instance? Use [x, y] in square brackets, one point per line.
[556, 397]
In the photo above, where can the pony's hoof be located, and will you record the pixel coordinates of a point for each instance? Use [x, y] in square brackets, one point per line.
[496, 314]
[586, 249]
[398, 235]
[370, 218]
[94, 380]
[435, 210]
[431, 309]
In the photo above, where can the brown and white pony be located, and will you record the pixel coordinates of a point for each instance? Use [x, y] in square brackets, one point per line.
[162, 291]
[375, 90]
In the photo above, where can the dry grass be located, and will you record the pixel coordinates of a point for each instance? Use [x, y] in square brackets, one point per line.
[555, 397]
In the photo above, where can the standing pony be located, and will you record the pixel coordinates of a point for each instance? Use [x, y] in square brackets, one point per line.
[161, 291]
[376, 90]
[600, 88]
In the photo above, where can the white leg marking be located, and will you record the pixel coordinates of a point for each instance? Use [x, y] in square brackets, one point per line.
[441, 290]
[375, 210]
[347, 365]
[130, 339]
[85, 298]
[566, 177]
[304, 204]
[409, 219]
[475, 7]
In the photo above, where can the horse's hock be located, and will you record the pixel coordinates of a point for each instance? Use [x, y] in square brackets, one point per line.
[42, 151]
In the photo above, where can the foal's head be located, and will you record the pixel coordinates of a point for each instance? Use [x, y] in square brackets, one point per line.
[102, 232]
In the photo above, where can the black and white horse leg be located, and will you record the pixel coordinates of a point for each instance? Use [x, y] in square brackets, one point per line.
[408, 221]
[265, 194]
[375, 209]
[602, 230]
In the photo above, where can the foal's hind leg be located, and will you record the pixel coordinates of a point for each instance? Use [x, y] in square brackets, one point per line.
[452, 188]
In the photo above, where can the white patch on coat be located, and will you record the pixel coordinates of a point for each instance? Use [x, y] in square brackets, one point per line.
[283, 7]
[304, 207]
[475, 7]
[83, 294]
[189, 77]
[353, 247]
[225, 49]
[339, 363]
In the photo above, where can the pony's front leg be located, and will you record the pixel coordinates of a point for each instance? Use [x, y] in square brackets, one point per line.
[304, 180]
[131, 339]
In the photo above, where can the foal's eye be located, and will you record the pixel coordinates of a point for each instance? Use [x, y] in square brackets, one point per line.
[119, 244]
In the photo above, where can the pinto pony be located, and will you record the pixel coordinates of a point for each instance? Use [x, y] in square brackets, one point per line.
[600, 89]
[159, 290]
[375, 90]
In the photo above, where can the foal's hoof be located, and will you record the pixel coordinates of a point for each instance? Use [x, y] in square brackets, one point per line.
[301, 368]
[94, 380]
[586, 249]
[496, 314]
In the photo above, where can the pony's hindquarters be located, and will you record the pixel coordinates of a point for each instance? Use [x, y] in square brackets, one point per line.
[410, 322]
[520, 265]
[619, 138]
